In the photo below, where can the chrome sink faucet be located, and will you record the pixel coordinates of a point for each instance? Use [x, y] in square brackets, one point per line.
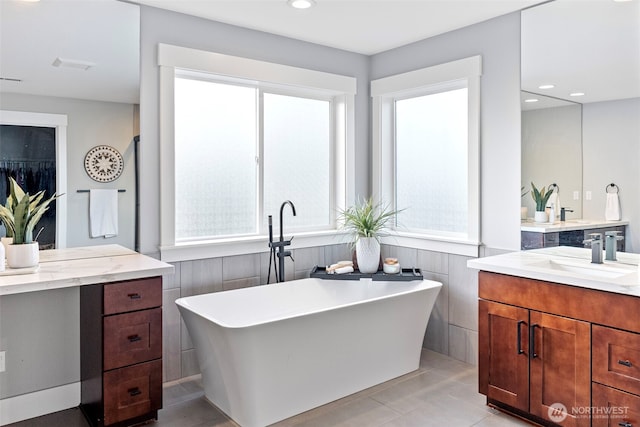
[611, 244]
[596, 247]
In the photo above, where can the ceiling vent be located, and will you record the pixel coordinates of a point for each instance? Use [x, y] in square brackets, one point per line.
[73, 63]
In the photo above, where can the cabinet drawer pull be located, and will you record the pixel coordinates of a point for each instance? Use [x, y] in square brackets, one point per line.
[134, 338]
[625, 363]
[625, 424]
[519, 338]
[532, 340]
[134, 391]
[134, 296]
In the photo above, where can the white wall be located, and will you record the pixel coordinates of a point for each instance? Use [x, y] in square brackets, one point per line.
[90, 123]
[611, 145]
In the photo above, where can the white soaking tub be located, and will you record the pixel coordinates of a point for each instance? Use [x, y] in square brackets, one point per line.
[269, 352]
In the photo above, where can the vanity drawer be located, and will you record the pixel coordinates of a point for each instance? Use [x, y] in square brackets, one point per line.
[616, 358]
[132, 391]
[132, 295]
[132, 338]
[615, 407]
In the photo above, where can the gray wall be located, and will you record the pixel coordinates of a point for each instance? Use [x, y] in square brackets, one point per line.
[611, 144]
[552, 153]
[90, 123]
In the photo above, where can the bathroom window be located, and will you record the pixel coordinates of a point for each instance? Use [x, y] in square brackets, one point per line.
[426, 162]
[239, 137]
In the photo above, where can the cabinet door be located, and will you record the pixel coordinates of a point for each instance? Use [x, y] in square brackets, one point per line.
[613, 407]
[504, 363]
[560, 367]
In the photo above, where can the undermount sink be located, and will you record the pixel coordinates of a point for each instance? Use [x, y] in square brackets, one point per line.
[584, 267]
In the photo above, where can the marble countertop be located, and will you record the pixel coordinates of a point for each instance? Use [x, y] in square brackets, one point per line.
[548, 264]
[570, 225]
[63, 268]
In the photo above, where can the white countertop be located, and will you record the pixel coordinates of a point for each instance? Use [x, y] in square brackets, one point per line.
[538, 264]
[570, 225]
[63, 268]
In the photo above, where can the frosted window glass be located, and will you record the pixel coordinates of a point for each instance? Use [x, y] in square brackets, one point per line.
[297, 159]
[215, 159]
[431, 161]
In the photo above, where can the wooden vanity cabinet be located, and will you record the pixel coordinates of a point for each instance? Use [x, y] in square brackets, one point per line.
[530, 360]
[542, 343]
[121, 351]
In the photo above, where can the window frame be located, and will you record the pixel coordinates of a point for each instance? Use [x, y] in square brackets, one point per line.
[274, 78]
[384, 93]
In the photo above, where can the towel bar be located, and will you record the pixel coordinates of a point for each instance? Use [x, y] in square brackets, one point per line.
[86, 191]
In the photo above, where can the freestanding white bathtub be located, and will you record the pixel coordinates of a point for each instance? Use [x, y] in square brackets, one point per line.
[270, 352]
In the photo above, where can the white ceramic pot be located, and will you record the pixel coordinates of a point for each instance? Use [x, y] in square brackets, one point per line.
[368, 254]
[540, 216]
[23, 256]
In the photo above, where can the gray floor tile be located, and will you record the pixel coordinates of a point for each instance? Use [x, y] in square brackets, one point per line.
[442, 392]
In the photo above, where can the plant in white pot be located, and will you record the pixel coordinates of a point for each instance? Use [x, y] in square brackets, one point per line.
[366, 222]
[20, 216]
[541, 197]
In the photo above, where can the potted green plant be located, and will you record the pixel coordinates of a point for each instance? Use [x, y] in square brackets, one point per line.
[366, 221]
[20, 216]
[540, 197]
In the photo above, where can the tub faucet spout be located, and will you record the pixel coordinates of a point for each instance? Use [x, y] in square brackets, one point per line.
[282, 254]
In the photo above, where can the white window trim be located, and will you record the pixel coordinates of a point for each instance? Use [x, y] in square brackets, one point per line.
[383, 93]
[59, 122]
[342, 88]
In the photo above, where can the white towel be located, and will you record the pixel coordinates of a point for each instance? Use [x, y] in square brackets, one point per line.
[612, 209]
[103, 213]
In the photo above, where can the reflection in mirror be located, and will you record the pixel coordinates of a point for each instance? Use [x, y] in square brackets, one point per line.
[552, 150]
[591, 48]
[78, 60]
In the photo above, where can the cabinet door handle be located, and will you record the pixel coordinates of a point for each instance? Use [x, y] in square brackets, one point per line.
[134, 391]
[519, 338]
[625, 424]
[532, 340]
[134, 338]
[134, 296]
[625, 363]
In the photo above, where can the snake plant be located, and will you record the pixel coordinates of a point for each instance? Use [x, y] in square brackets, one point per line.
[540, 197]
[22, 212]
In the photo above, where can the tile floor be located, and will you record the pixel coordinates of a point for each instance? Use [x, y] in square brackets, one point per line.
[442, 392]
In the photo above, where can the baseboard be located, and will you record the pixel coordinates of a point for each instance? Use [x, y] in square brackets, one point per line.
[31, 405]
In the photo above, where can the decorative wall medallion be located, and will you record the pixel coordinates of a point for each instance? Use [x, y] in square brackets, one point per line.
[103, 163]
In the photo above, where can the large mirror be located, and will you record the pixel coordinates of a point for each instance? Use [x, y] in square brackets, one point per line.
[78, 60]
[587, 52]
[552, 151]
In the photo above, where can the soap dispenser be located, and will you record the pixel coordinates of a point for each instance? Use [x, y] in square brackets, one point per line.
[552, 214]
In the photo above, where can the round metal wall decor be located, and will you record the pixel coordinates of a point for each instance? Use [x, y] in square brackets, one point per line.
[103, 163]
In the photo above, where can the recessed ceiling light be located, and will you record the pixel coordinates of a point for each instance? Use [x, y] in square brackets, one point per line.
[73, 63]
[531, 100]
[576, 94]
[301, 4]
[546, 86]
